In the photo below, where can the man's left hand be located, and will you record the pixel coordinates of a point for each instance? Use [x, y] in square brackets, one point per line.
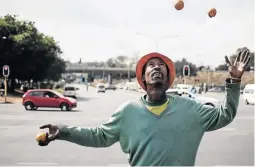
[236, 69]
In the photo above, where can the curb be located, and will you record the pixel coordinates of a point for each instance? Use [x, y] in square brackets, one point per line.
[8, 102]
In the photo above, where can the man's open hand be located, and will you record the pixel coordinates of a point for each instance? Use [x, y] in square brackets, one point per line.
[236, 69]
[52, 135]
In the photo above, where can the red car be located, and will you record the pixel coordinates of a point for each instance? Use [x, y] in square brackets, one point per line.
[47, 98]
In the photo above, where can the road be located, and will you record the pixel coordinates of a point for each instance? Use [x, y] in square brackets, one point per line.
[233, 145]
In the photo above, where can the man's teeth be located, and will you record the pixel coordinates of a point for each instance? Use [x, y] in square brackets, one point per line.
[158, 75]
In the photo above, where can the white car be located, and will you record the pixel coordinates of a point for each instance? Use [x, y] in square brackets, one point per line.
[100, 88]
[70, 91]
[249, 94]
[202, 99]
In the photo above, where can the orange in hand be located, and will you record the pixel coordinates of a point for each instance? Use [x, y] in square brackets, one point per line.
[41, 137]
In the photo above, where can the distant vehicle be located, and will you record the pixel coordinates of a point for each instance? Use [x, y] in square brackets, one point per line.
[184, 86]
[47, 98]
[133, 86]
[187, 94]
[249, 94]
[120, 86]
[241, 91]
[101, 88]
[70, 91]
[110, 87]
[215, 89]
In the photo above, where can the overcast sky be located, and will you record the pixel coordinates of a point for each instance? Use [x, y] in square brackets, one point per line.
[99, 29]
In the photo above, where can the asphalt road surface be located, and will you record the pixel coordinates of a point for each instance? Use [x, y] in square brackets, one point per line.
[232, 145]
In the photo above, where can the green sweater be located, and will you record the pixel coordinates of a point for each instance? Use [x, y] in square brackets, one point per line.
[171, 139]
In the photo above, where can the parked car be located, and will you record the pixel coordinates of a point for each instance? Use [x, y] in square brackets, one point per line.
[47, 98]
[70, 91]
[100, 88]
[249, 94]
[110, 87]
[186, 93]
[215, 89]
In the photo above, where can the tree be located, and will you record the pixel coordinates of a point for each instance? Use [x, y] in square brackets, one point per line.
[121, 61]
[201, 68]
[29, 53]
[56, 69]
[222, 67]
[110, 63]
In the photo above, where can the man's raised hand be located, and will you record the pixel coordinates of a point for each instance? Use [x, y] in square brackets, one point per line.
[236, 69]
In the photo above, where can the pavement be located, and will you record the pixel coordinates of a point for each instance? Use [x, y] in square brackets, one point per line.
[232, 145]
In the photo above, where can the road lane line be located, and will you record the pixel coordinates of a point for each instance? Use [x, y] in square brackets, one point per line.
[244, 118]
[36, 163]
[117, 165]
[227, 129]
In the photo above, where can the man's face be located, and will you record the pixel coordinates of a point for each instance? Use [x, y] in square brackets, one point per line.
[156, 72]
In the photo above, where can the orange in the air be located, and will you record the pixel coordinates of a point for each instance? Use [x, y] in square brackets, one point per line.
[41, 137]
[212, 12]
[179, 5]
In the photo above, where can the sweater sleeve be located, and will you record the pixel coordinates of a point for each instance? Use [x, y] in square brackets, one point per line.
[103, 136]
[213, 118]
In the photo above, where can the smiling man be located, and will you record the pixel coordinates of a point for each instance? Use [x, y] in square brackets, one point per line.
[159, 130]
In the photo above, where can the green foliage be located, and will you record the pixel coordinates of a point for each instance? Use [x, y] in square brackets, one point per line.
[29, 53]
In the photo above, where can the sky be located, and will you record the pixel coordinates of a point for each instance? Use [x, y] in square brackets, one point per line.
[95, 30]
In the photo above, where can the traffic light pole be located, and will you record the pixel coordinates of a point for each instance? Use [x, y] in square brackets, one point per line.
[6, 72]
[5, 89]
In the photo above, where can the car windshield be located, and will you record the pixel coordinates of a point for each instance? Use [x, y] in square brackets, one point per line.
[69, 88]
[101, 87]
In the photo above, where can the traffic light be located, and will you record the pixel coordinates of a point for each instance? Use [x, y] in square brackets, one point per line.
[186, 70]
[6, 71]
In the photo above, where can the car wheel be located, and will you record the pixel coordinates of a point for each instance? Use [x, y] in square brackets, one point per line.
[246, 102]
[35, 108]
[65, 107]
[29, 106]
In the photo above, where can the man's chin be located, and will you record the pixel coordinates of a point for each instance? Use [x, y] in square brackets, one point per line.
[157, 84]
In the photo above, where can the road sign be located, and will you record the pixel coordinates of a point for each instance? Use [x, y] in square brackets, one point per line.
[6, 70]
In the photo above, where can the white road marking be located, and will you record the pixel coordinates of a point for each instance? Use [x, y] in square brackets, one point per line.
[36, 163]
[117, 165]
[227, 129]
[245, 118]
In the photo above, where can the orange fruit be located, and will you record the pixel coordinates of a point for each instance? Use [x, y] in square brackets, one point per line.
[41, 137]
[212, 12]
[179, 5]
